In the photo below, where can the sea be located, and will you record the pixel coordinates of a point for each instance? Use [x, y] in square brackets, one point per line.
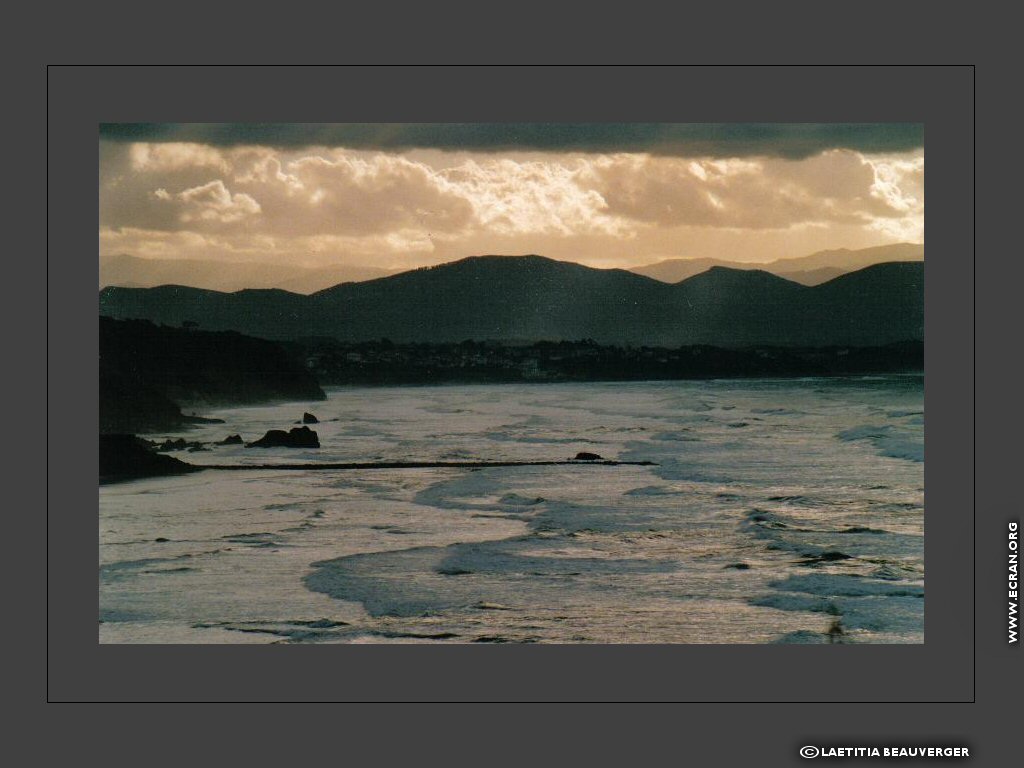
[775, 511]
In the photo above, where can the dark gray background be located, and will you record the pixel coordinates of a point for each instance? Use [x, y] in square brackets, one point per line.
[942, 670]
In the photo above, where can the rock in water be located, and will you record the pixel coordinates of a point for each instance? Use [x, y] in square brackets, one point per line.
[297, 437]
[585, 456]
[309, 418]
[172, 445]
[180, 444]
[231, 440]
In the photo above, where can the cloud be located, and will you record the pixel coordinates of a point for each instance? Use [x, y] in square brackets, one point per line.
[787, 140]
[836, 187]
[313, 250]
[343, 192]
[322, 204]
[510, 197]
[175, 157]
[213, 202]
[326, 192]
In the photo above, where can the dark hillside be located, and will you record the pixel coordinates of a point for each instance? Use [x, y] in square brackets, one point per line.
[148, 371]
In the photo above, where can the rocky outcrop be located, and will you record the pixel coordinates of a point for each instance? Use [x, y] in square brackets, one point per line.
[297, 437]
[231, 440]
[309, 418]
[586, 456]
[180, 444]
[124, 457]
[147, 372]
[128, 405]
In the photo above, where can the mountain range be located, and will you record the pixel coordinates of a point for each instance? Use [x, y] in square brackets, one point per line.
[132, 272]
[127, 271]
[530, 298]
[808, 270]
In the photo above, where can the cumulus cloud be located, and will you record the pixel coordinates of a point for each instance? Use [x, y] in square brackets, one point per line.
[510, 197]
[342, 192]
[835, 187]
[213, 202]
[175, 156]
[329, 192]
[328, 203]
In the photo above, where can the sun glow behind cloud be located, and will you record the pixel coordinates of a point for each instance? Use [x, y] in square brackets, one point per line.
[326, 205]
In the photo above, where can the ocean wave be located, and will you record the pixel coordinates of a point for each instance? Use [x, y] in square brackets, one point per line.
[653, 490]
[831, 584]
[888, 441]
[428, 580]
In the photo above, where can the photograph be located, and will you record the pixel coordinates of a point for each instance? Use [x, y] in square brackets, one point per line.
[524, 413]
[619, 383]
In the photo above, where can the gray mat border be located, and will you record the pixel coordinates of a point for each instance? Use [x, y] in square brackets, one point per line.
[940, 670]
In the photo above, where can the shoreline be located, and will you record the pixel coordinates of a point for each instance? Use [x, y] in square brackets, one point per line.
[428, 465]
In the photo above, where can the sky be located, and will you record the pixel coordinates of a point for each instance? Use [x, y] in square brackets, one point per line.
[399, 196]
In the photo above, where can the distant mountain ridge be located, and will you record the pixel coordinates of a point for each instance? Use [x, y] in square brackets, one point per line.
[127, 271]
[531, 298]
[808, 270]
[132, 272]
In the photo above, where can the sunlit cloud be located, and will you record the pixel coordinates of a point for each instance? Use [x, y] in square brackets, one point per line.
[533, 197]
[325, 205]
[213, 202]
[176, 156]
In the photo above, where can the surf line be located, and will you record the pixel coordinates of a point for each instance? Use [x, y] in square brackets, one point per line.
[426, 465]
